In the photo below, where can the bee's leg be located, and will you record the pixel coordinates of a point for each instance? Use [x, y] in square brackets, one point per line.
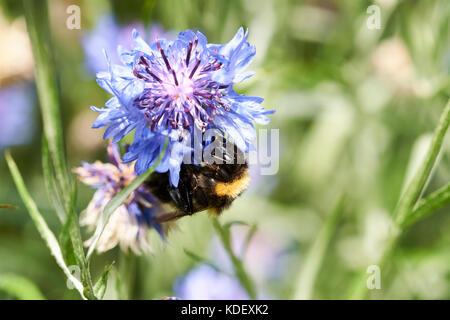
[181, 197]
[171, 216]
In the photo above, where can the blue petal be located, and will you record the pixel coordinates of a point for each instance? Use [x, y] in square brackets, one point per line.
[141, 45]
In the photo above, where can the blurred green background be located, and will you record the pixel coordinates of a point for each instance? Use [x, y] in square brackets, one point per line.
[355, 108]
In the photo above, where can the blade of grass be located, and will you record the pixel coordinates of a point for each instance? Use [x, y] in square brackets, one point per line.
[313, 262]
[55, 167]
[40, 223]
[66, 242]
[73, 230]
[36, 15]
[407, 208]
[70, 237]
[418, 182]
[52, 191]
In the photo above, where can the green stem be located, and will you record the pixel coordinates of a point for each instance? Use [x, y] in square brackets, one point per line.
[240, 272]
[36, 14]
[126, 275]
[360, 290]
[313, 264]
[45, 232]
[410, 209]
[417, 184]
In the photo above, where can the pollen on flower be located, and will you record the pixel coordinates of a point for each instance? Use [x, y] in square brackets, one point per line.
[179, 90]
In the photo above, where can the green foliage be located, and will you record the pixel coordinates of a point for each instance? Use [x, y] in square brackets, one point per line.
[314, 260]
[432, 203]
[46, 234]
[224, 234]
[353, 106]
[417, 185]
[101, 285]
[19, 287]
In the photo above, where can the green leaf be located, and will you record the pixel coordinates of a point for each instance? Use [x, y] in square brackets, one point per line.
[20, 287]
[433, 202]
[65, 239]
[115, 203]
[407, 208]
[423, 174]
[78, 249]
[36, 15]
[52, 191]
[101, 285]
[40, 223]
[70, 237]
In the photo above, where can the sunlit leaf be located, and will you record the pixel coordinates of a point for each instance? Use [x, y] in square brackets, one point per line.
[100, 286]
[40, 223]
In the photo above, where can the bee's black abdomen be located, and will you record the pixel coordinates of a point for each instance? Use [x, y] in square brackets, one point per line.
[210, 186]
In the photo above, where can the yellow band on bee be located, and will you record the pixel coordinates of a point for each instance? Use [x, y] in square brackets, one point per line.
[234, 188]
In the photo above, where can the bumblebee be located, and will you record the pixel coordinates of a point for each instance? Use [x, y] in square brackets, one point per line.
[207, 186]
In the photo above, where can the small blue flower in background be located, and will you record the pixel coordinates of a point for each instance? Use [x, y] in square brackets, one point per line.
[108, 35]
[265, 257]
[129, 224]
[205, 283]
[170, 298]
[265, 260]
[16, 115]
[166, 90]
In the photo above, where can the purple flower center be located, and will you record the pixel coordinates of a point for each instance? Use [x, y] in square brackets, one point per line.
[179, 90]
